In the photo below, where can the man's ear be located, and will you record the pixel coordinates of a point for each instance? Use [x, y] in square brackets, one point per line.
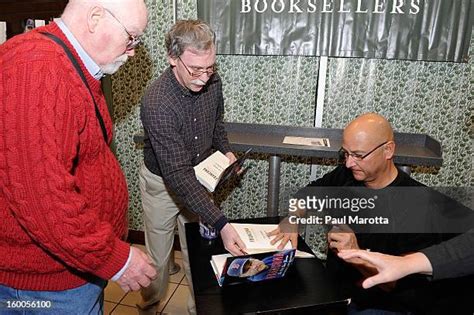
[389, 150]
[172, 61]
[94, 16]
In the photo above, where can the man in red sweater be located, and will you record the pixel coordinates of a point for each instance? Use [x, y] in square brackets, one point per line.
[63, 196]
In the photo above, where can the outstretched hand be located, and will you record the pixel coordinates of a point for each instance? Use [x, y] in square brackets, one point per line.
[389, 268]
[284, 233]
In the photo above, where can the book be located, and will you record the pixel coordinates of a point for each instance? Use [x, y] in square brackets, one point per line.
[251, 268]
[317, 142]
[216, 169]
[256, 239]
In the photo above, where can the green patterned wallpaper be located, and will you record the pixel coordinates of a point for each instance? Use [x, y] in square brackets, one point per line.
[432, 98]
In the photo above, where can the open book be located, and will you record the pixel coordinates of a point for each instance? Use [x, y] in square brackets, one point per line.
[251, 268]
[216, 169]
[256, 239]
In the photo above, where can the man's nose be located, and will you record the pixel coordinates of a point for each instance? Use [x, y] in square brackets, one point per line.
[350, 161]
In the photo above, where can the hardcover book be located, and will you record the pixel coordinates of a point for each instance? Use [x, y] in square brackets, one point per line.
[251, 268]
[216, 169]
[255, 237]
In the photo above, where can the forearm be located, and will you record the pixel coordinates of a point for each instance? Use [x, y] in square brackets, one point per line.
[416, 263]
[452, 258]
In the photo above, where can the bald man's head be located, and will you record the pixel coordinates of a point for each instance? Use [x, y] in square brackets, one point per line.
[368, 143]
[371, 128]
[107, 30]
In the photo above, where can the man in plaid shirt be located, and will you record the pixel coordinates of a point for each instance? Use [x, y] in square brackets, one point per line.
[182, 114]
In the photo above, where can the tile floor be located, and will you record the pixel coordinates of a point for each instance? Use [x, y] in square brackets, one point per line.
[118, 302]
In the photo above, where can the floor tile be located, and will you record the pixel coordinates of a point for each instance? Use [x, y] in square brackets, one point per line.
[133, 298]
[113, 292]
[169, 294]
[177, 277]
[125, 310]
[108, 307]
[177, 305]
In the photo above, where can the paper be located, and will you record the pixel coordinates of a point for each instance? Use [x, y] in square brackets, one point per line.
[3, 32]
[256, 239]
[317, 142]
[39, 23]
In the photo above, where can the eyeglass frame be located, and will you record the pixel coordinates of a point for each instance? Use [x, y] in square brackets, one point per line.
[199, 73]
[133, 40]
[344, 154]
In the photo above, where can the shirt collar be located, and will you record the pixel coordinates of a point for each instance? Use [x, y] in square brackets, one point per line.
[90, 65]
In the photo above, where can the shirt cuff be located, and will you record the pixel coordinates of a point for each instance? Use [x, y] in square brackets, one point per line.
[220, 223]
[121, 271]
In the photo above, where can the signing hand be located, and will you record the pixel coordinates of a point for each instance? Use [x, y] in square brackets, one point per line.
[342, 237]
[139, 272]
[232, 241]
[285, 232]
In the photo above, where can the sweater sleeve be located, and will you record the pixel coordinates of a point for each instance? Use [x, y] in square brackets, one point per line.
[452, 258]
[40, 131]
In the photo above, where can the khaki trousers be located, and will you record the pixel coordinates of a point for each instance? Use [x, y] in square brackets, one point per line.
[161, 214]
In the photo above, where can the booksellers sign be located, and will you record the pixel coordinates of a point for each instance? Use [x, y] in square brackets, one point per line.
[435, 30]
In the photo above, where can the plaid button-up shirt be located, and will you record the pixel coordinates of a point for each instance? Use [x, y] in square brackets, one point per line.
[181, 129]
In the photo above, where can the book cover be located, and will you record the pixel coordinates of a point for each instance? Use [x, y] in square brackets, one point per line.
[251, 268]
[216, 169]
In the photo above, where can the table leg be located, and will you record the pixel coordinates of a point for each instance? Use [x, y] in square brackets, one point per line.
[273, 196]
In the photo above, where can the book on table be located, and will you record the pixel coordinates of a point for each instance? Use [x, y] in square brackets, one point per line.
[306, 141]
[264, 261]
[230, 269]
[217, 169]
[257, 240]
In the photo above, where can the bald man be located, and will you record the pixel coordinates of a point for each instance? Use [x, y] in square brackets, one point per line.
[63, 196]
[367, 153]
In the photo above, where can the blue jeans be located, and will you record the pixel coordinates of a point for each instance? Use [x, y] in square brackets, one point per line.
[86, 299]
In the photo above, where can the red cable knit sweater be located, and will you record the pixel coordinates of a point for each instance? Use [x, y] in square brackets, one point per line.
[58, 223]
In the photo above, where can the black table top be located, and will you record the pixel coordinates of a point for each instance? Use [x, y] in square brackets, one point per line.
[306, 287]
[411, 148]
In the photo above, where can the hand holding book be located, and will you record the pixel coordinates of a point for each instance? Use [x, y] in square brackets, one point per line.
[218, 168]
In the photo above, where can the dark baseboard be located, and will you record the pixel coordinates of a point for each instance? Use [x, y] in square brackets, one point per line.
[138, 237]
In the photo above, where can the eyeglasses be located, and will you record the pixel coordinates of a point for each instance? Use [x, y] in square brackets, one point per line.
[344, 154]
[197, 73]
[133, 41]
